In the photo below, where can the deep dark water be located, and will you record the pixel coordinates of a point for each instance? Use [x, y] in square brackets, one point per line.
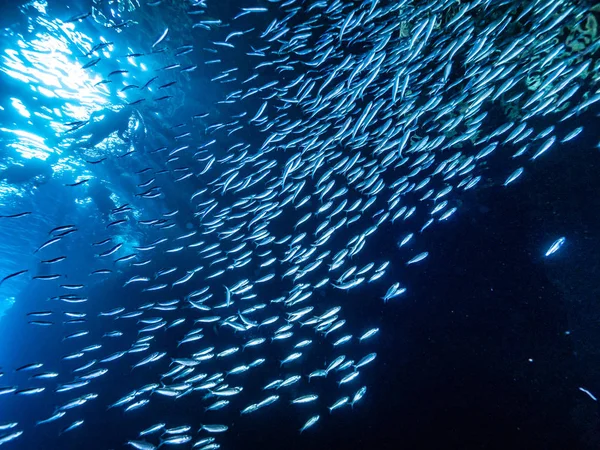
[489, 349]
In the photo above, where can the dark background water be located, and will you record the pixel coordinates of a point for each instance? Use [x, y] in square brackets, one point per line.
[486, 351]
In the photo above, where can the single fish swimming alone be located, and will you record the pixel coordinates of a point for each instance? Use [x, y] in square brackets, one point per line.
[556, 245]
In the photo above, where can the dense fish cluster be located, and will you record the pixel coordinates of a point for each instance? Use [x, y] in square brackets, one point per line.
[339, 120]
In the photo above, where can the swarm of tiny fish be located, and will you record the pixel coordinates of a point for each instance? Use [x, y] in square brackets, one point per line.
[369, 115]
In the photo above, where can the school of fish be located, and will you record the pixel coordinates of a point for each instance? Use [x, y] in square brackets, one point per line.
[371, 116]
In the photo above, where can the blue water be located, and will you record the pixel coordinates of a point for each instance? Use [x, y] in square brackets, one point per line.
[487, 350]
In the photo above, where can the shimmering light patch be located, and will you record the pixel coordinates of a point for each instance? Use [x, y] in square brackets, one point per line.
[28, 153]
[85, 176]
[83, 201]
[137, 214]
[16, 75]
[43, 116]
[115, 198]
[6, 304]
[48, 63]
[19, 106]
[40, 5]
[29, 145]
[74, 110]
[67, 165]
[134, 123]
[7, 189]
[47, 92]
